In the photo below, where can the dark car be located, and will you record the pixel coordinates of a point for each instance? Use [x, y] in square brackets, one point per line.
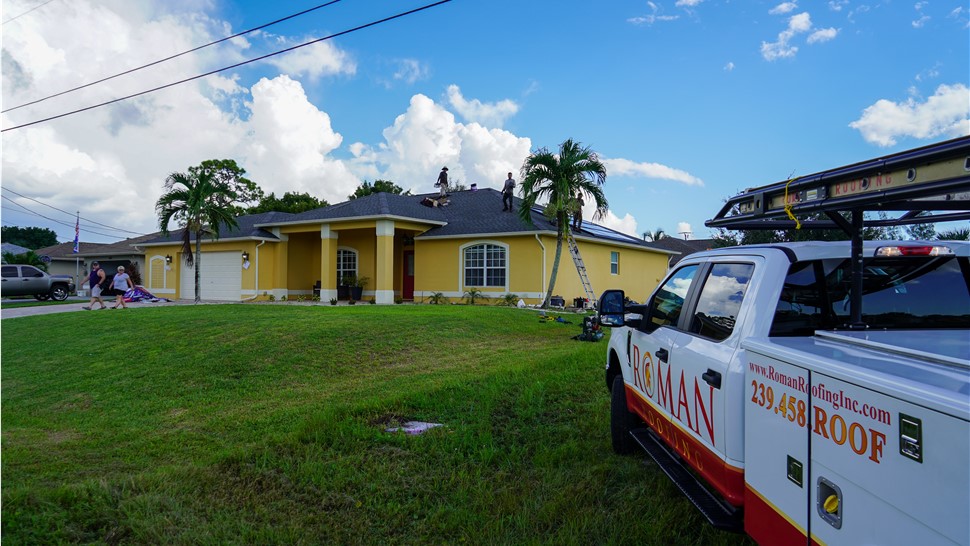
[27, 280]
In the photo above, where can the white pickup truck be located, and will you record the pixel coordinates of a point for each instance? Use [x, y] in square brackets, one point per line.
[807, 393]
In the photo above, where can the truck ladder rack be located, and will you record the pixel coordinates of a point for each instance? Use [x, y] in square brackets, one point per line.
[719, 514]
[580, 268]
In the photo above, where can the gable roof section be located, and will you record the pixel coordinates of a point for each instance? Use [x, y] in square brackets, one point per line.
[248, 228]
[64, 251]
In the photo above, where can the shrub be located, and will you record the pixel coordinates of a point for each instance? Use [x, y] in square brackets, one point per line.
[333, 301]
[373, 301]
[398, 300]
[474, 294]
[437, 298]
[351, 301]
[272, 297]
[282, 298]
[510, 300]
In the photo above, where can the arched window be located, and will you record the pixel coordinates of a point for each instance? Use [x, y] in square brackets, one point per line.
[346, 263]
[485, 265]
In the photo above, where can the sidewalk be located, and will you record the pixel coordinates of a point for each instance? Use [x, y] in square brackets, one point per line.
[77, 305]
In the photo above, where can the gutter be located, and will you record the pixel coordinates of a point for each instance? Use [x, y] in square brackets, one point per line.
[542, 281]
[256, 262]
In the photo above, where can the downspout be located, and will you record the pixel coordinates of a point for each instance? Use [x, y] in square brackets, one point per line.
[256, 290]
[542, 288]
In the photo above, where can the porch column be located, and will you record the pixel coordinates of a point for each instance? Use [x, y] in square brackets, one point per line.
[328, 263]
[384, 271]
[279, 286]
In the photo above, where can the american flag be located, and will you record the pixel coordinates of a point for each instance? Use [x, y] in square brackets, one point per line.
[77, 232]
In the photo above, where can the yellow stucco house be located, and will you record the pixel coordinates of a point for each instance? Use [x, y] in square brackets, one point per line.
[405, 249]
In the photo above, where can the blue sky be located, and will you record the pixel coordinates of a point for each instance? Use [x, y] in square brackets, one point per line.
[687, 101]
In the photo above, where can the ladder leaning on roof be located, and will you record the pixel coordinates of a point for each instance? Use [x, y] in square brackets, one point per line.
[580, 267]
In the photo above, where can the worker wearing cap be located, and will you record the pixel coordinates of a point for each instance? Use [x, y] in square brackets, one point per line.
[442, 182]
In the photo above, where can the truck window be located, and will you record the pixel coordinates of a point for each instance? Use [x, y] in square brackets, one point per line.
[30, 271]
[898, 293]
[668, 301]
[720, 300]
[8, 271]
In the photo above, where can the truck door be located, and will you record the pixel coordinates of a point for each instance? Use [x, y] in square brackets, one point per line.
[706, 384]
[651, 359]
[34, 280]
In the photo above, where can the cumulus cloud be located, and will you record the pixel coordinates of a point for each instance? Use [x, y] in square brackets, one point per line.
[491, 114]
[313, 61]
[781, 48]
[945, 114]
[729, 67]
[626, 167]
[837, 5]
[627, 224]
[781, 9]
[822, 35]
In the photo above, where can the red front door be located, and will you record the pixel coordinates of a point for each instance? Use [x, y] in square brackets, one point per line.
[407, 286]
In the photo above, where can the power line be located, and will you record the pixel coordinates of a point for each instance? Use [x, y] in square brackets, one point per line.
[304, 12]
[66, 212]
[159, 88]
[53, 219]
[28, 11]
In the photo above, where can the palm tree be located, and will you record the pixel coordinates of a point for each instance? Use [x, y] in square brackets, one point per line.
[556, 179]
[655, 235]
[200, 203]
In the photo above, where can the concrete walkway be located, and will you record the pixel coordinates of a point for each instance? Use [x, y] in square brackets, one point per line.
[76, 305]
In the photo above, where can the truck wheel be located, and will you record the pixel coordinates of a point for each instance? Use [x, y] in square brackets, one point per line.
[59, 293]
[41, 297]
[621, 420]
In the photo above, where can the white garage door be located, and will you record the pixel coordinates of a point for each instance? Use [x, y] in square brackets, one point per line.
[221, 277]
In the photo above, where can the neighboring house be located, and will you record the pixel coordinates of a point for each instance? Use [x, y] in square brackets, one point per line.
[681, 247]
[65, 262]
[405, 249]
[13, 249]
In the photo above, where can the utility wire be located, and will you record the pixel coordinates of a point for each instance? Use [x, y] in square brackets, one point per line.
[304, 12]
[28, 11]
[55, 220]
[361, 27]
[68, 213]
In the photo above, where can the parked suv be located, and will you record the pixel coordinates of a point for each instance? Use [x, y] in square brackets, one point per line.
[27, 280]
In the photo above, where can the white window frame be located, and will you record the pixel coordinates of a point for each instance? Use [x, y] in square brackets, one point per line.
[614, 263]
[461, 266]
[339, 263]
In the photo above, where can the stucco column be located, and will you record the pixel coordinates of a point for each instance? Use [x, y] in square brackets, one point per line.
[278, 285]
[328, 263]
[384, 271]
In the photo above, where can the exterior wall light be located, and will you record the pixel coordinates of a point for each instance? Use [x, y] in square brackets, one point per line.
[245, 256]
[168, 259]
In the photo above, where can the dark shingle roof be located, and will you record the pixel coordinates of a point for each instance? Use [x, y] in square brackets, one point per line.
[685, 247]
[247, 228]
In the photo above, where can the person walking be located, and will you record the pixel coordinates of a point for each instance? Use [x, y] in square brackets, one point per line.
[507, 190]
[121, 283]
[95, 278]
[578, 213]
[442, 183]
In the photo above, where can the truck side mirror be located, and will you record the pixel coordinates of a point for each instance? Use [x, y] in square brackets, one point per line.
[610, 309]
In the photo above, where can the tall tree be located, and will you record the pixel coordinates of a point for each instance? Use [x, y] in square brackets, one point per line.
[556, 178]
[291, 202]
[386, 186]
[27, 258]
[655, 235]
[28, 237]
[232, 176]
[200, 202]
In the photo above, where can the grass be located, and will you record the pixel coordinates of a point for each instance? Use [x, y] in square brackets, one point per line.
[266, 424]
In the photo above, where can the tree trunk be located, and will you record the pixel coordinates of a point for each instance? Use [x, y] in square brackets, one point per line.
[555, 262]
[198, 265]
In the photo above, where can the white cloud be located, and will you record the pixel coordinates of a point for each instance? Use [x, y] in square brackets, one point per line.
[687, 3]
[654, 16]
[411, 70]
[627, 224]
[729, 67]
[313, 61]
[822, 35]
[919, 23]
[781, 9]
[491, 114]
[837, 5]
[427, 137]
[625, 167]
[781, 48]
[946, 114]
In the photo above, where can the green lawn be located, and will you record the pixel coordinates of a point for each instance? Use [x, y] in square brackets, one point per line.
[264, 424]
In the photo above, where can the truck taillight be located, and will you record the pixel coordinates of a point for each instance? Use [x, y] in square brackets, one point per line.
[914, 250]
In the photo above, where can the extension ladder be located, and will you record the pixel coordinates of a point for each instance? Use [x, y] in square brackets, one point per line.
[580, 268]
